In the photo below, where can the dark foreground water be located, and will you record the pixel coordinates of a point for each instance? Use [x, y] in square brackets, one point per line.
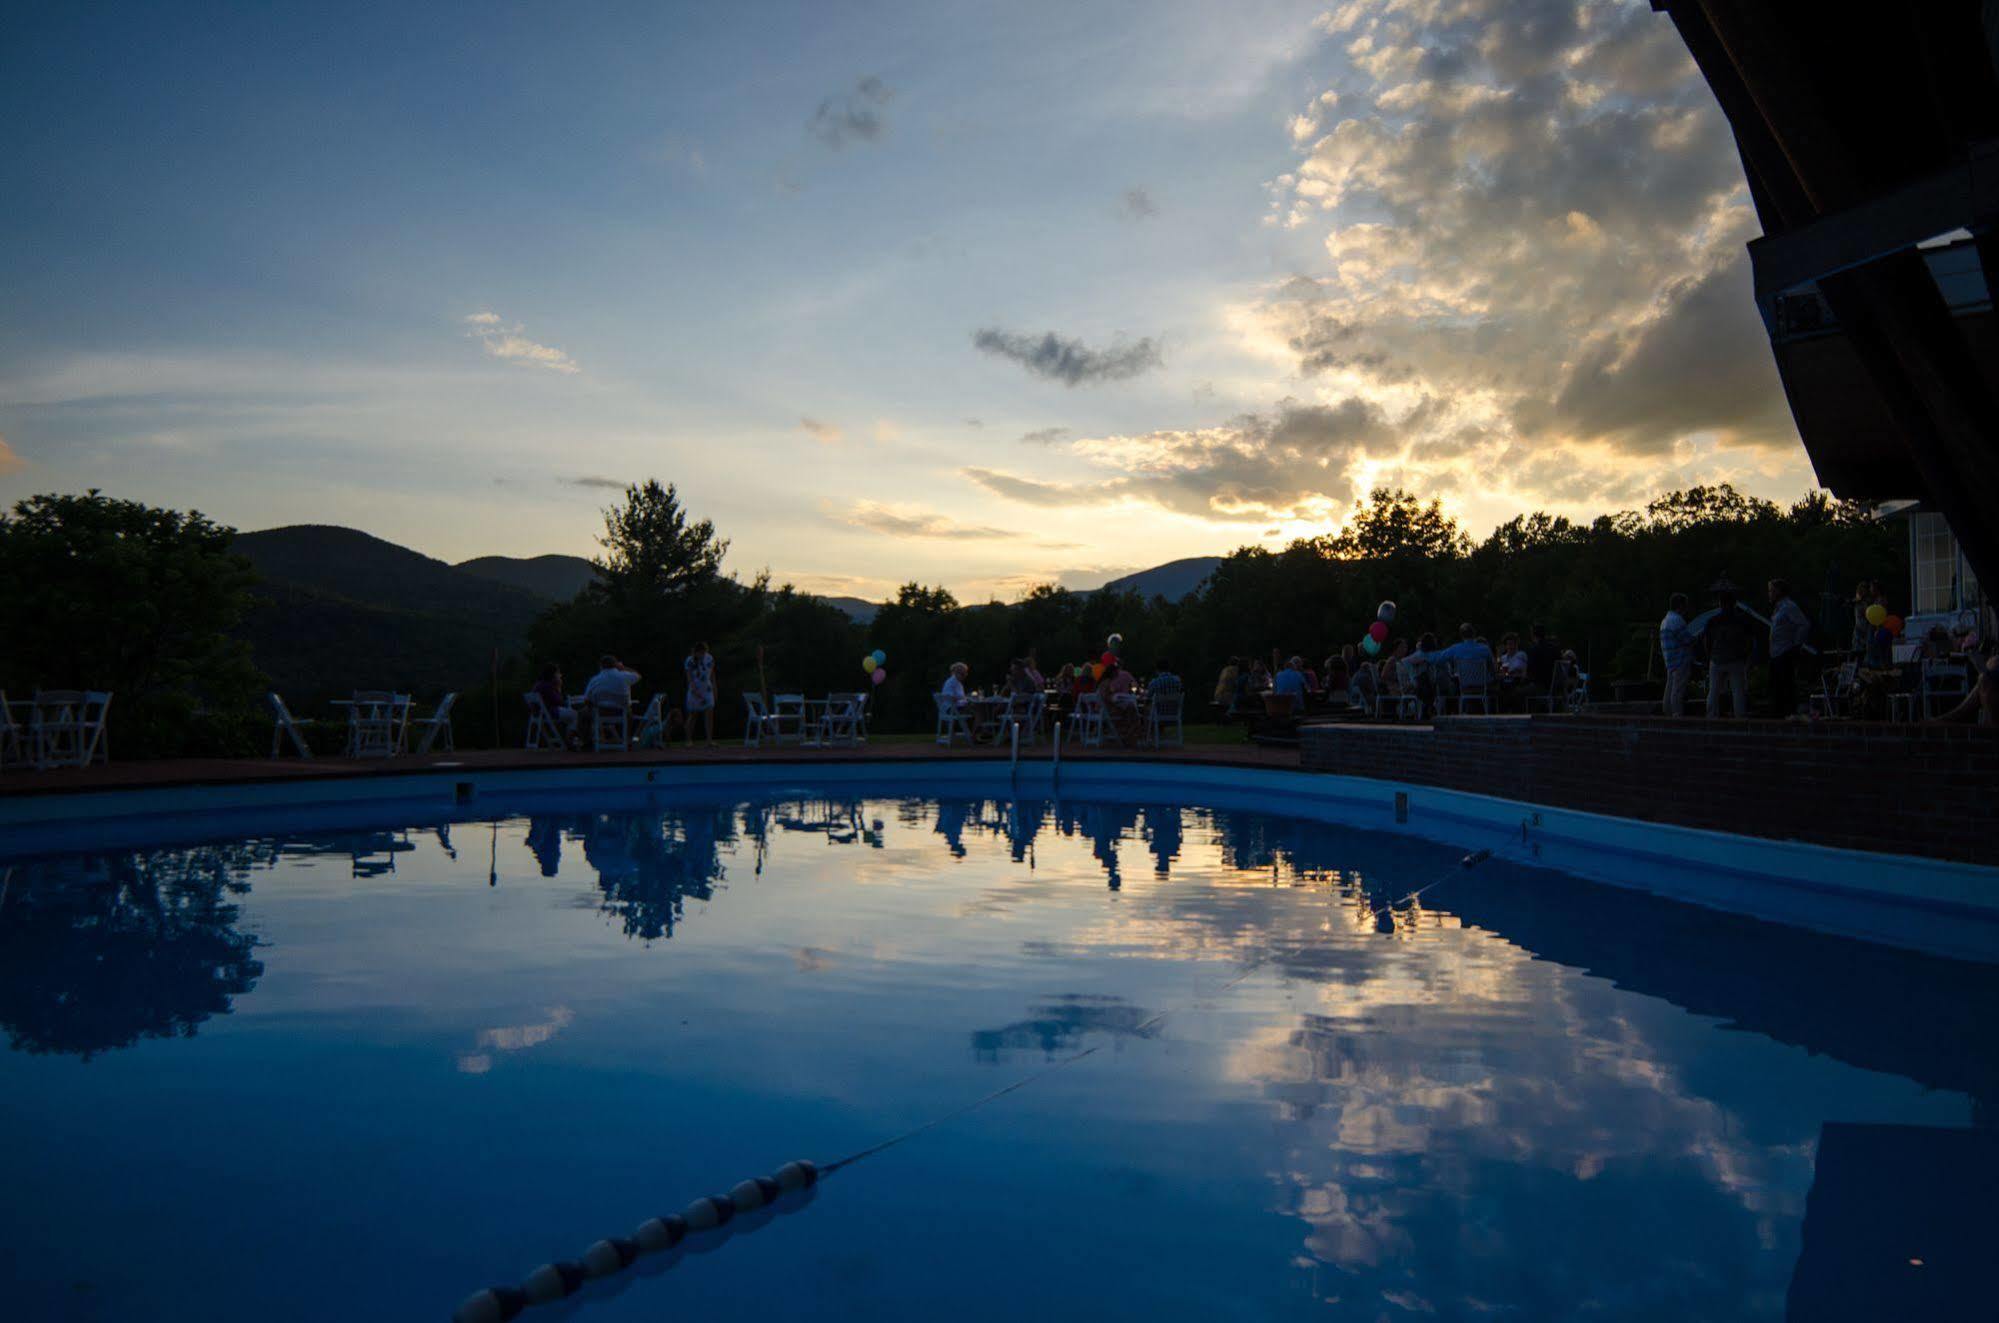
[355, 1072]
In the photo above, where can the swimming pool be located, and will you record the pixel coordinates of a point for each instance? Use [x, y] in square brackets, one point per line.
[362, 1062]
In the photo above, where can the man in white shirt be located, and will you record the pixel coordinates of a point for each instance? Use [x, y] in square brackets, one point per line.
[611, 686]
[1789, 628]
[1676, 645]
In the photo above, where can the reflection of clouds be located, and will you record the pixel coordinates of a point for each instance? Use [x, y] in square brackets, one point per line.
[513, 1038]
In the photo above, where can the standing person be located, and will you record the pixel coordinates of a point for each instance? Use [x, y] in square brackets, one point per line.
[700, 668]
[1789, 628]
[1542, 655]
[1730, 644]
[1865, 594]
[1676, 641]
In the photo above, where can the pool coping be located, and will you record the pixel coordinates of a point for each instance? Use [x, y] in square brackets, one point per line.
[1945, 906]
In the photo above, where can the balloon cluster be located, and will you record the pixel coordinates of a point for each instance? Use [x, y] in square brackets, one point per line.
[1879, 617]
[1377, 630]
[872, 664]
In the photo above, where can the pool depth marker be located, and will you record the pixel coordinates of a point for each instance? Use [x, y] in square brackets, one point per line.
[563, 1278]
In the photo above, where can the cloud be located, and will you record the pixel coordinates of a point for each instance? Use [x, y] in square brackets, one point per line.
[852, 116]
[1070, 361]
[1297, 461]
[1044, 436]
[1137, 204]
[887, 429]
[975, 422]
[821, 431]
[507, 342]
[9, 461]
[878, 518]
[1530, 216]
[596, 483]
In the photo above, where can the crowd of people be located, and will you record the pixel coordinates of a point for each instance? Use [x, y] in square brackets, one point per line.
[1124, 695]
[611, 688]
[1397, 676]
[1390, 675]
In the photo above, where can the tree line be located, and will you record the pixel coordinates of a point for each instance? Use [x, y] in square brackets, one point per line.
[150, 602]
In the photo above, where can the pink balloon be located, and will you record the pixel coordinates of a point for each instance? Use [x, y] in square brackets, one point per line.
[879, 675]
[1378, 631]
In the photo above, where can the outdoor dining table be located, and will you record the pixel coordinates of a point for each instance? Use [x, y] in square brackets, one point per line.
[384, 723]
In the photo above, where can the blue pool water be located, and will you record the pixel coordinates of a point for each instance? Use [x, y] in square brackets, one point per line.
[352, 1068]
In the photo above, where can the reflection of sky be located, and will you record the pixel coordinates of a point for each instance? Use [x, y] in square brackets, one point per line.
[1347, 1110]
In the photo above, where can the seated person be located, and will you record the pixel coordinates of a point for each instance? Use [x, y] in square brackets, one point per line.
[1225, 683]
[1290, 682]
[1119, 690]
[1512, 663]
[1981, 705]
[954, 684]
[1163, 681]
[549, 689]
[612, 685]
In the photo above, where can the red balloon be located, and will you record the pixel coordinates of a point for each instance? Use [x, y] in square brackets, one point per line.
[1110, 659]
[1893, 624]
[1378, 631]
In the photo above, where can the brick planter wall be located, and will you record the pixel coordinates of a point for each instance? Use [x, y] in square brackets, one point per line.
[1906, 789]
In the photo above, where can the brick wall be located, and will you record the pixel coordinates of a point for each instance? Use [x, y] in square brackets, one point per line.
[1908, 789]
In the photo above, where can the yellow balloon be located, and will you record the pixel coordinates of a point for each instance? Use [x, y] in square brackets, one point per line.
[868, 664]
[1876, 614]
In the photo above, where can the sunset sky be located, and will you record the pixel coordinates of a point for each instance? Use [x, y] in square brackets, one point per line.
[986, 295]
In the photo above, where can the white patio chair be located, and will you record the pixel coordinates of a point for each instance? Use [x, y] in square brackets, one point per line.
[1168, 706]
[286, 726]
[1086, 722]
[437, 724]
[66, 727]
[1408, 703]
[841, 722]
[544, 729]
[1837, 690]
[1944, 684]
[757, 721]
[611, 724]
[787, 718]
[652, 725]
[13, 737]
[952, 720]
[1022, 711]
[1474, 684]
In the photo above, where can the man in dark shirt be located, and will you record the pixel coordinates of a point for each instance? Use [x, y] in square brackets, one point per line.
[1731, 642]
[1542, 654]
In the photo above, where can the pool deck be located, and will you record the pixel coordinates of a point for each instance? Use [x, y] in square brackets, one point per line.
[232, 771]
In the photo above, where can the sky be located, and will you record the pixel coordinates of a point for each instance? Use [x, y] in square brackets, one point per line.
[974, 294]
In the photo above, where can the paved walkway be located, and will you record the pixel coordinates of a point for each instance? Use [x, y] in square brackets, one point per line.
[215, 771]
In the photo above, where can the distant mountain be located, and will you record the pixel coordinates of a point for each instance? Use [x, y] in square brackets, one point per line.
[554, 578]
[1173, 580]
[339, 609]
[858, 611]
